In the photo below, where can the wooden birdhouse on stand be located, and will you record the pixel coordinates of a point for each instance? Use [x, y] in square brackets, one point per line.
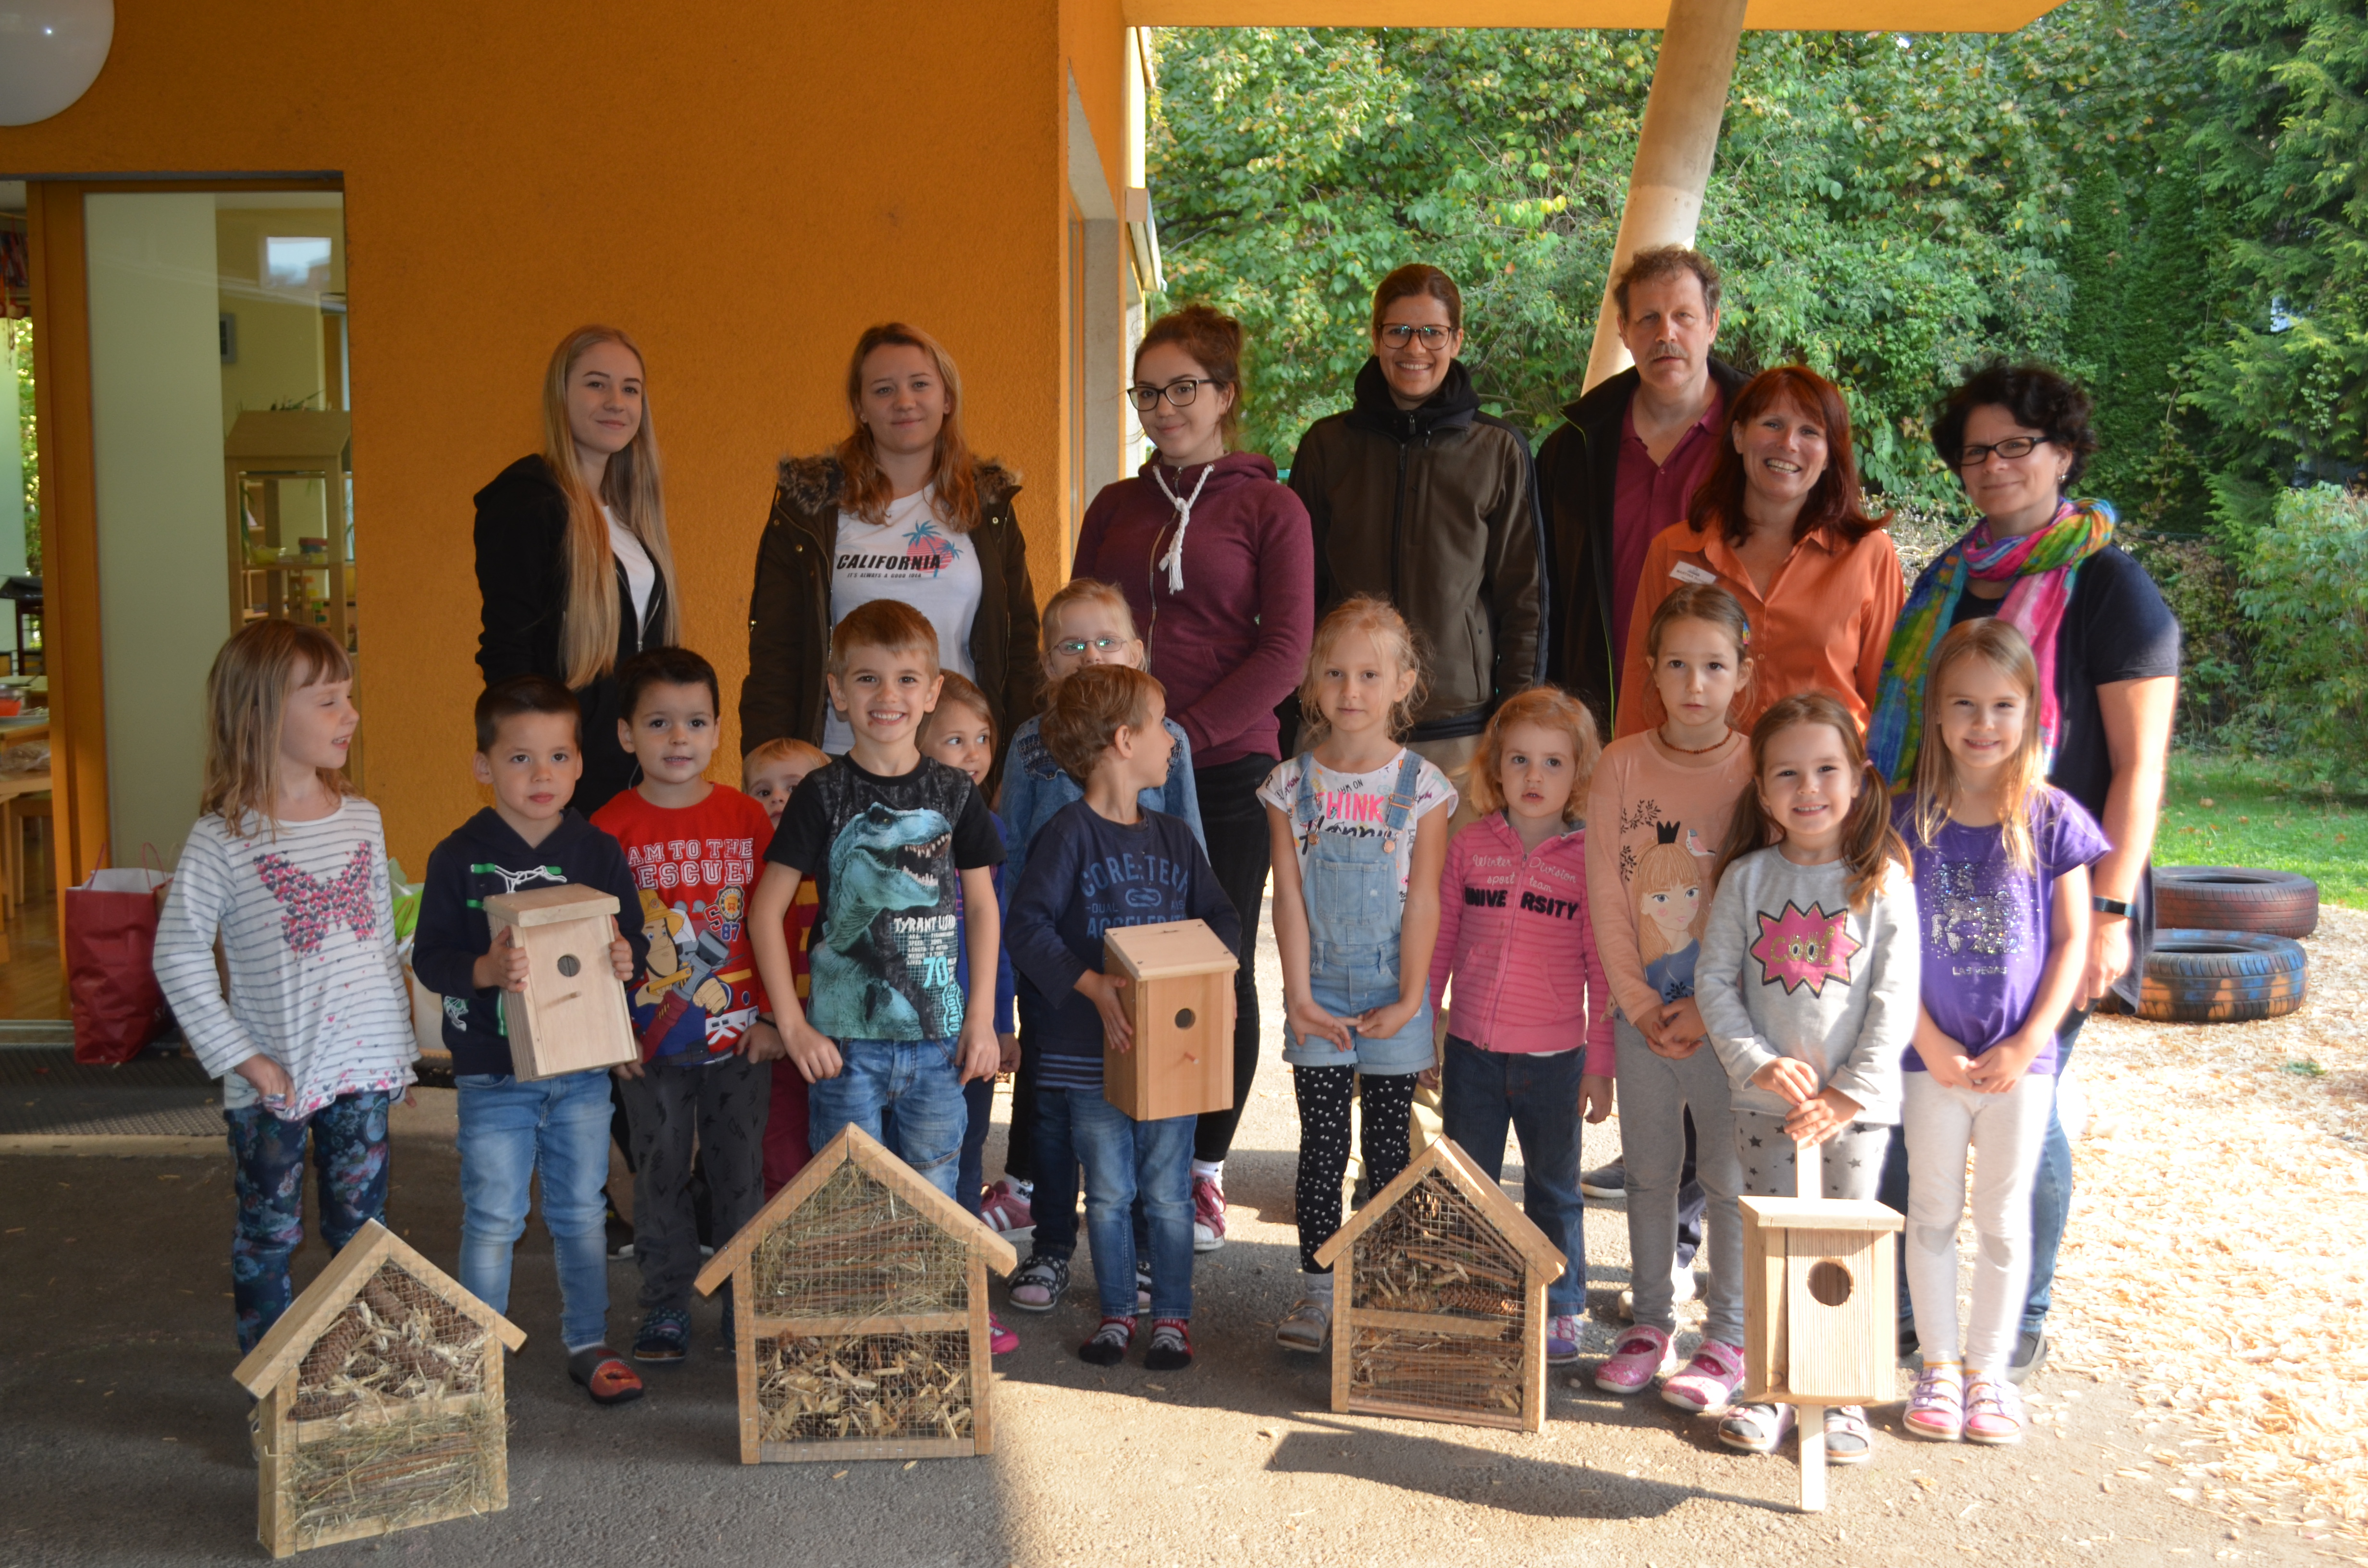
[860, 1306]
[1820, 1308]
[1179, 1000]
[379, 1401]
[1443, 1316]
[571, 1015]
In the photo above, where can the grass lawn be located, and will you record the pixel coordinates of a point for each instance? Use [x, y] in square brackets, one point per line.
[2226, 811]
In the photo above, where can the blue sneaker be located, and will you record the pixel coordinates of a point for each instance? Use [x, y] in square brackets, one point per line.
[1561, 1339]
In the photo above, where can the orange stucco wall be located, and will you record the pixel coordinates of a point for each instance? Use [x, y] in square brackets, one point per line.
[743, 187]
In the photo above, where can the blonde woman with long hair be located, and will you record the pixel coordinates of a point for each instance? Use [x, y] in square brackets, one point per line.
[287, 870]
[900, 508]
[573, 565]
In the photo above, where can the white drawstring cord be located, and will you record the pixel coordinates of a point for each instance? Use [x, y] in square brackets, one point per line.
[1173, 559]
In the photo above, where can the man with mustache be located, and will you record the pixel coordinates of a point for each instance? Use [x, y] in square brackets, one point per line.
[1629, 457]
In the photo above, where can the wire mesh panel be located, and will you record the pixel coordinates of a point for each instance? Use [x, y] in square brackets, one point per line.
[396, 1342]
[1434, 1253]
[856, 1248]
[1451, 1376]
[864, 1387]
[1436, 1322]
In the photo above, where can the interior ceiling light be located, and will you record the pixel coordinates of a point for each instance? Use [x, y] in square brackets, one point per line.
[51, 52]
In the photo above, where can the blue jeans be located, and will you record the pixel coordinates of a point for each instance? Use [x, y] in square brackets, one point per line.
[921, 1080]
[1054, 1207]
[1124, 1156]
[266, 1173]
[1482, 1094]
[509, 1132]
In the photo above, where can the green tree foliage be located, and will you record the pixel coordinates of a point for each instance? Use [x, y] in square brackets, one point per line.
[2306, 592]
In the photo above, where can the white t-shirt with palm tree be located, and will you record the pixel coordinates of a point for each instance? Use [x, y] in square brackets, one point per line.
[912, 556]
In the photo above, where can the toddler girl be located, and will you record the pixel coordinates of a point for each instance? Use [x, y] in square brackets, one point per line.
[1529, 1042]
[287, 866]
[1659, 809]
[2002, 900]
[1087, 623]
[1806, 984]
[770, 775]
[1359, 842]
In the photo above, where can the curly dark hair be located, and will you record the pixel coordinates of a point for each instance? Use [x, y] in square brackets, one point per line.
[2037, 397]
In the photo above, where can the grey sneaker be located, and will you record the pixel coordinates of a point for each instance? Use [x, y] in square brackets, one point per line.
[1605, 1182]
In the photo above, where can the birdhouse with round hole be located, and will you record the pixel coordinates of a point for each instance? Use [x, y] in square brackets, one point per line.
[1179, 1000]
[571, 1015]
[1820, 1301]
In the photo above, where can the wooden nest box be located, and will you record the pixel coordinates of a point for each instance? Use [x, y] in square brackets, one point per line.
[1443, 1314]
[1180, 999]
[379, 1401]
[860, 1297]
[571, 1015]
[1820, 1306]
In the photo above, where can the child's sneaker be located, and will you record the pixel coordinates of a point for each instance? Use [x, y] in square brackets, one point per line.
[1004, 1210]
[1756, 1428]
[1307, 1326]
[1143, 1287]
[1993, 1411]
[1171, 1346]
[1707, 1385]
[1642, 1355]
[1108, 1346]
[1561, 1339]
[1000, 1341]
[1208, 1214]
[1936, 1409]
[1605, 1183]
[665, 1336]
[1040, 1283]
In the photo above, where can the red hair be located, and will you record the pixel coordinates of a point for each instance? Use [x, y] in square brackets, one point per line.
[1835, 503]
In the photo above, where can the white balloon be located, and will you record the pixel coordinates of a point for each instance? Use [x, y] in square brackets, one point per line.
[51, 52]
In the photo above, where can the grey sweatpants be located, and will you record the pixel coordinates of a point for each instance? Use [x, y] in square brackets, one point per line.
[724, 1104]
[1852, 1162]
[1655, 1094]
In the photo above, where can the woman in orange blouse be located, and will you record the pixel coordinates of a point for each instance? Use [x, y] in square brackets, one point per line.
[1780, 524]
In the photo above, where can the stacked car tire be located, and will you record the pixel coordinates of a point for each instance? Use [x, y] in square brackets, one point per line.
[2225, 948]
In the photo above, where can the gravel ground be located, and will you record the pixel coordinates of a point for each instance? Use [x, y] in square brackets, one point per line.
[126, 1439]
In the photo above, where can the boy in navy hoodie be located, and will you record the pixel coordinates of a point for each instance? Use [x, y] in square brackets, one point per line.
[530, 749]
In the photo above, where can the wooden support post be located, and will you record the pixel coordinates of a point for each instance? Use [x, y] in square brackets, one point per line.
[1809, 1182]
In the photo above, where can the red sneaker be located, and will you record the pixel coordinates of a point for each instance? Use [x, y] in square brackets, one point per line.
[1208, 1214]
[1004, 1211]
[1000, 1341]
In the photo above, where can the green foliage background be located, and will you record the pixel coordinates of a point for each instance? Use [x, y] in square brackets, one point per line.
[2167, 198]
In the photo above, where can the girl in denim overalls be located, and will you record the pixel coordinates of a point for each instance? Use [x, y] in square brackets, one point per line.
[1360, 837]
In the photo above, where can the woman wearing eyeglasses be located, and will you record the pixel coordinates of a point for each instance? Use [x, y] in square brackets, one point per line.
[900, 509]
[2108, 651]
[1213, 558]
[1417, 496]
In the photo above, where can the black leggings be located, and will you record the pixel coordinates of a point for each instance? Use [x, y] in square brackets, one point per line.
[1241, 853]
[1324, 1094]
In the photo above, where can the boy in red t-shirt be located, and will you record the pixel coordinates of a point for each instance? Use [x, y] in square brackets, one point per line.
[770, 775]
[693, 848]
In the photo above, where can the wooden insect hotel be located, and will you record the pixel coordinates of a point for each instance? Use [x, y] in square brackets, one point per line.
[1179, 1000]
[571, 1015]
[378, 1401]
[860, 1293]
[1443, 1314]
[1820, 1307]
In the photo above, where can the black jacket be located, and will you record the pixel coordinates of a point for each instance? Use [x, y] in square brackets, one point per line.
[789, 610]
[484, 856]
[1578, 471]
[522, 585]
[1435, 508]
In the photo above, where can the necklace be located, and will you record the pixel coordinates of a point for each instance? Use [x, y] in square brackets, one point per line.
[1694, 751]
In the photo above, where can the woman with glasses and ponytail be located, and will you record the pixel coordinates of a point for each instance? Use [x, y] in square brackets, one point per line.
[1215, 560]
[573, 569]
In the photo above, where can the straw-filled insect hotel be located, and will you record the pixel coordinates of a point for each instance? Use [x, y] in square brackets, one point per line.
[378, 1401]
[860, 1297]
[1442, 1315]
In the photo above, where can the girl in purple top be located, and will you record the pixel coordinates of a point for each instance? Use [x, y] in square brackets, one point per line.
[2002, 904]
[1218, 563]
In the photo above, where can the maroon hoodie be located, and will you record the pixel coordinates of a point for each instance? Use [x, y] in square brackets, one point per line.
[1233, 642]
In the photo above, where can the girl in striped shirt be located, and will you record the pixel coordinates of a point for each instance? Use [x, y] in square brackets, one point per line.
[287, 866]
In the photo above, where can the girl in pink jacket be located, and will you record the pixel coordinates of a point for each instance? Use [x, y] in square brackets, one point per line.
[1529, 1037]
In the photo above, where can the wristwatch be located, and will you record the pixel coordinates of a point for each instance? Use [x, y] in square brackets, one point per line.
[2105, 906]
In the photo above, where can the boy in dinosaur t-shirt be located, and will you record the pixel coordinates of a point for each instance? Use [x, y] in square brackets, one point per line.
[883, 832]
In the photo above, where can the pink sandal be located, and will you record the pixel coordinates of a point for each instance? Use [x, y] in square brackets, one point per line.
[1936, 1409]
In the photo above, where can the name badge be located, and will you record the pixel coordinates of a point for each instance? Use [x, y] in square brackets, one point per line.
[1687, 572]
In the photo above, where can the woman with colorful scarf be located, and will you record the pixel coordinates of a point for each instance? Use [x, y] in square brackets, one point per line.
[2108, 650]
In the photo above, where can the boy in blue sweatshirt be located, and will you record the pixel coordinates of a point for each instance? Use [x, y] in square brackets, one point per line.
[1101, 863]
[529, 749]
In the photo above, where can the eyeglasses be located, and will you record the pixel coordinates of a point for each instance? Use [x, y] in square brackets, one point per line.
[1073, 646]
[2013, 446]
[1181, 392]
[1397, 335]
